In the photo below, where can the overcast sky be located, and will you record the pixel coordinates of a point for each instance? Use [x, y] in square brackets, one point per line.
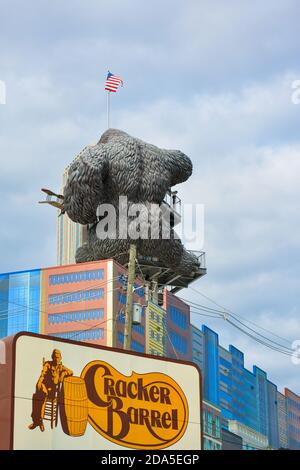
[211, 78]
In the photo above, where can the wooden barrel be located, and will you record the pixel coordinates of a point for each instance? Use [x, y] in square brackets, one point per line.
[73, 406]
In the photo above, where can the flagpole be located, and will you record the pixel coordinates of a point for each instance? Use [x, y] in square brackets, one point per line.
[108, 108]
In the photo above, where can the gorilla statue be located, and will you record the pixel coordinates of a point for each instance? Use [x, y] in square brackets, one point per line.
[121, 165]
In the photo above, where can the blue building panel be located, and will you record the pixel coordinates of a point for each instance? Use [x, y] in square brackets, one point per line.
[20, 302]
[211, 383]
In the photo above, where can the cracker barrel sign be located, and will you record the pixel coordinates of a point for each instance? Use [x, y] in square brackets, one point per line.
[101, 398]
[142, 411]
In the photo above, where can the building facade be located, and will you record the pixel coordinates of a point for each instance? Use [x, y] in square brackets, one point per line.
[82, 302]
[178, 327]
[245, 396]
[86, 302]
[231, 441]
[212, 426]
[293, 416]
[197, 347]
[273, 434]
[252, 440]
[20, 302]
[282, 421]
[156, 326]
[69, 235]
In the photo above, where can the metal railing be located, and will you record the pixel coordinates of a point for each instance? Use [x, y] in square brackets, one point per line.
[201, 257]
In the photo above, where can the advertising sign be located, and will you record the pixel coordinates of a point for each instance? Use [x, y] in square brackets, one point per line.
[70, 395]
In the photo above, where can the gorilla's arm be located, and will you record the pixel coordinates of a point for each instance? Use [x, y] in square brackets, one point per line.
[179, 166]
[84, 188]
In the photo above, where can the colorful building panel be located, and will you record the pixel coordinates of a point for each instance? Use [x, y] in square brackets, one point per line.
[178, 327]
[197, 348]
[211, 382]
[293, 415]
[75, 299]
[282, 421]
[156, 327]
[252, 440]
[20, 302]
[273, 434]
[69, 235]
[138, 342]
[212, 426]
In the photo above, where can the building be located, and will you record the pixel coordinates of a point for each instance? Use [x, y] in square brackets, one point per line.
[20, 302]
[282, 421]
[83, 302]
[252, 440]
[69, 235]
[197, 346]
[212, 425]
[244, 396]
[86, 302]
[262, 400]
[231, 441]
[156, 326]
[211, 382]
[273, 434]
[178, 327]
[293, 415]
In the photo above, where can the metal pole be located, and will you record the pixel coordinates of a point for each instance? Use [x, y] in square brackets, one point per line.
[108, 108]
[129, 301]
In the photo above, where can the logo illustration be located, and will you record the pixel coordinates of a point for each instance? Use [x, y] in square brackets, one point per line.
[45, 398]
[141, 411]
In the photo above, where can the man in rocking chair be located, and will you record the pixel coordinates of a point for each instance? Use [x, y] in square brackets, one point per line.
[52, 375]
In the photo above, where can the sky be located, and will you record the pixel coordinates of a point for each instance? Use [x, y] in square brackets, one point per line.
[209, 77]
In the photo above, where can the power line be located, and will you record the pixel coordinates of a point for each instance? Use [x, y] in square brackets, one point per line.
[101, 284]
[240, 316]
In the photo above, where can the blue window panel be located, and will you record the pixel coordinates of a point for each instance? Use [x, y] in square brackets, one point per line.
[121, 298]
[178, 342]
[178, 317]
[136, 346]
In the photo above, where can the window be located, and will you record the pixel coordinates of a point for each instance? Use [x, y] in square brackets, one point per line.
[178, 342]
[136, 346]
[78, 316]
[209, 423]
[76, 277]
[204, 423]
[178, 317]
[217, 426]
[121, 298]
[157, 318]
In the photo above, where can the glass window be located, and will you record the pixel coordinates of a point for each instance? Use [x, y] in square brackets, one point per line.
[209, 423]
[217, 426]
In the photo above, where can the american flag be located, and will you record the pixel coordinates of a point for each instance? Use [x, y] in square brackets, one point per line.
[113, 82]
